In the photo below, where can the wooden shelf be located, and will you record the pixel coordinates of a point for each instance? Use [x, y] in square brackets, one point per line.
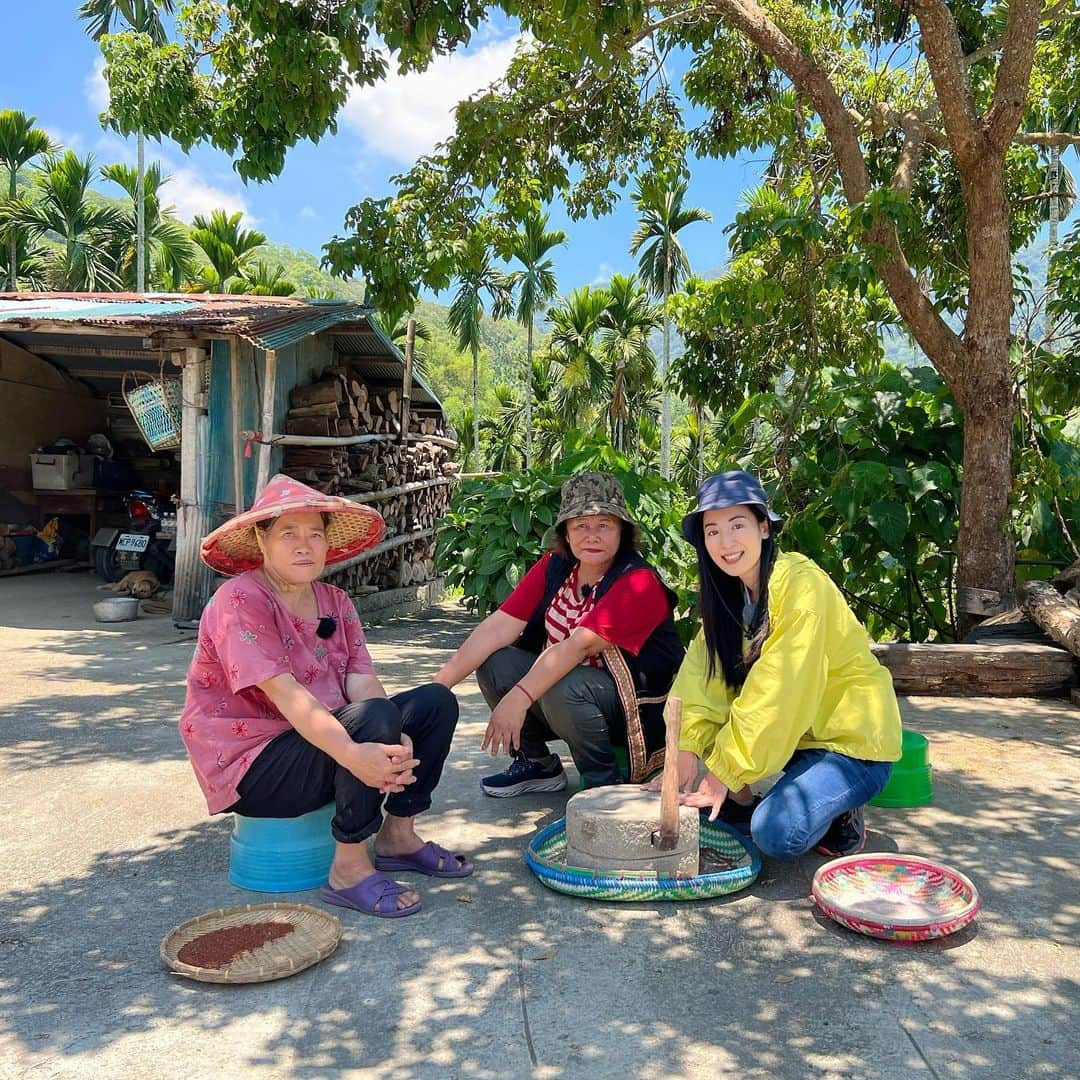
[401, 489]
[342, 440]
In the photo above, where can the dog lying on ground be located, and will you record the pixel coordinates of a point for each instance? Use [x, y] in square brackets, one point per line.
[139, 583]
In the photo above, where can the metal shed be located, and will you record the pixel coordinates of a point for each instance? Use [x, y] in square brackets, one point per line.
[238, 357]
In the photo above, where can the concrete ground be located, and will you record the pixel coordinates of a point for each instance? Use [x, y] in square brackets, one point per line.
[107, 845]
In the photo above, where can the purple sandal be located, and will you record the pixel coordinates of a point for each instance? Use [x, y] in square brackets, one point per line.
[369, 896]
[431, 859]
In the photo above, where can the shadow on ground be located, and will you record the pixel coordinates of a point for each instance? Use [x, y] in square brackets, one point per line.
[499, 977]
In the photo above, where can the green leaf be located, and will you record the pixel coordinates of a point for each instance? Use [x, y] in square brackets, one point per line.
[891, 520]
[869, 478]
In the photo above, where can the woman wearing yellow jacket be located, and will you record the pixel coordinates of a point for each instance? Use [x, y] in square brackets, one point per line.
[780, 679]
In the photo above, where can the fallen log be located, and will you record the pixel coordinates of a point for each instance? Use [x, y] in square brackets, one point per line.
[1006, 670]
[1068, 578]
[1056, 614]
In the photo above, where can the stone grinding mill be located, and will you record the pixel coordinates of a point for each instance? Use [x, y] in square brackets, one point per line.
[625, 843]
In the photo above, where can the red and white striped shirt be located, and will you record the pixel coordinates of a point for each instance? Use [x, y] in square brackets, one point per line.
[565, 611]
[626, 615]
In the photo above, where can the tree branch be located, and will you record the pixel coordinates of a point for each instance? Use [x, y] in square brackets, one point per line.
[941, 46]
[1051, 139]
[910, 153]
[1014, 72]
[934, 335]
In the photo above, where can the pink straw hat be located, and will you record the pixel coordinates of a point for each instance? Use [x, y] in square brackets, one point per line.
[232, 548]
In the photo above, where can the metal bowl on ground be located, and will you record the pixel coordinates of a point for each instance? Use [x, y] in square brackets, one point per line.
[117, 609]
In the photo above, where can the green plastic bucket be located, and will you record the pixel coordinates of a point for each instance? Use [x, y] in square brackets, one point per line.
[911, 782]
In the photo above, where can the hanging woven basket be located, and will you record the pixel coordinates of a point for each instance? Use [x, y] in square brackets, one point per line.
[157, 407]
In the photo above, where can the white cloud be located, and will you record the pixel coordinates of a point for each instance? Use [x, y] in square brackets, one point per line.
[309, 213]
[109, 147]
[603, 274]
[96, 88]
[406, 115]
[189, 194]
[65, 140]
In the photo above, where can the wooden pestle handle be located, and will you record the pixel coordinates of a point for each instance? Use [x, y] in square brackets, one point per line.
[669, 785]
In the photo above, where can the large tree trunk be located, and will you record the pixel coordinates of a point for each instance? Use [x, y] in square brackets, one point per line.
[985, 394]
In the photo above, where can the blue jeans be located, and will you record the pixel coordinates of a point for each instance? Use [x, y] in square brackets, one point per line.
[816, 787]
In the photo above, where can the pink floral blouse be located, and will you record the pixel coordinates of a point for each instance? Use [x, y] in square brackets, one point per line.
[246, 636]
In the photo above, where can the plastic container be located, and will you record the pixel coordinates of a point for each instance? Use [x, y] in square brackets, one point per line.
[277, 855]
[24, 548]
[911, 782]
[117, 609]
[61, 472]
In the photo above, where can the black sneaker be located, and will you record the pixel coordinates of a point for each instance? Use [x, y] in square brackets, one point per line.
[524, 776]
[845, 836]
[736, 814]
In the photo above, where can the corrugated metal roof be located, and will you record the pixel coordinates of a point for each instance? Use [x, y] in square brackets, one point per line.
[65, 309]
[268, 322]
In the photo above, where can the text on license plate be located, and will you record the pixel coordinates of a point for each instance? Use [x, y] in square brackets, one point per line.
[132, 542]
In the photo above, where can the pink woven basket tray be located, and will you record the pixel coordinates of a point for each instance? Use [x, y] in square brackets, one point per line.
[895, 897]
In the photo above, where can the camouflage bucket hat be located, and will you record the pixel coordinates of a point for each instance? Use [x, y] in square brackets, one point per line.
[592, 493]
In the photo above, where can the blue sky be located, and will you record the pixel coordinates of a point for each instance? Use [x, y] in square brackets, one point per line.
[52, 70]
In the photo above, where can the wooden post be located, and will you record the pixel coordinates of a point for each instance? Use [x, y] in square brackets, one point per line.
[193, 578]
[267, 422]
[406, 390]
[237, 423]
[669, 784]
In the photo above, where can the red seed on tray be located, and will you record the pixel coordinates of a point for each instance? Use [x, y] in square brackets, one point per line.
[219, 948]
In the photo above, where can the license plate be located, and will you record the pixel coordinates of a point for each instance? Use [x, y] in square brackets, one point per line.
[132, 542]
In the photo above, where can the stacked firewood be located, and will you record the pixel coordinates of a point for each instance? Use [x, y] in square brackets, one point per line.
[414, 510]
[405, 566]
[342, 404]
[408, 482]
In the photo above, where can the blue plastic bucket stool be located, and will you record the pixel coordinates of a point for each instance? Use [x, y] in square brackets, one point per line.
[282, 854]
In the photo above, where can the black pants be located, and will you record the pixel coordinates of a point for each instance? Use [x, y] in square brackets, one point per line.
[582, 709]
[292, 777]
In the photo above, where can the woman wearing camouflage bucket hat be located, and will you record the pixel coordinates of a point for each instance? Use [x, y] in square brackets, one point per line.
[284, 712]
[780, 680]
[583, 650]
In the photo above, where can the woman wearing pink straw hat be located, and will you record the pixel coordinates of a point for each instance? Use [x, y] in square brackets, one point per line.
[284, 711]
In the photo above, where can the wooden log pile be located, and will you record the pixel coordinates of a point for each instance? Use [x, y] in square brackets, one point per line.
[396, 567]
[407, 481]
[341, 403]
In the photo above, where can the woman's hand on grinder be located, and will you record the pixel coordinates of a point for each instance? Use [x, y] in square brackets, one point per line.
[387, 767]
[710, 795]
[689, 765]
[504, 727]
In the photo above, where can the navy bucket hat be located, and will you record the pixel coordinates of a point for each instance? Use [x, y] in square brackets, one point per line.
[735, 488]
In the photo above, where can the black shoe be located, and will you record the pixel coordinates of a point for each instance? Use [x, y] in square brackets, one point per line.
[845, 836]
[736, 814]
[523, 776]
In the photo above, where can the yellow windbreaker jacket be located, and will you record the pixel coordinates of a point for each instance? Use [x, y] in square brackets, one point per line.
[816, 685]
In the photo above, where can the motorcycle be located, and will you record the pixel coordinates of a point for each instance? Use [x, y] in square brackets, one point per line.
[148, 542]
